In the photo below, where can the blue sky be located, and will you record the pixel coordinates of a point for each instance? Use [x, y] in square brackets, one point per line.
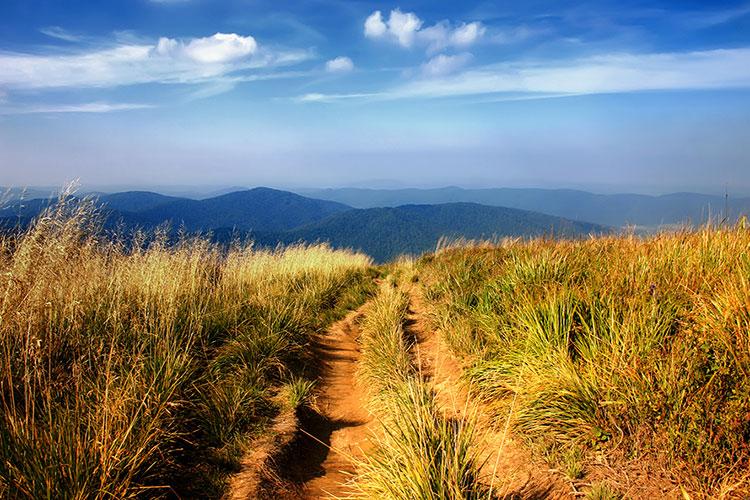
[607, 96]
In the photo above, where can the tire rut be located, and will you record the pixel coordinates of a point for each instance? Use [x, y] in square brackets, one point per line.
[335, 433]
[508, 464]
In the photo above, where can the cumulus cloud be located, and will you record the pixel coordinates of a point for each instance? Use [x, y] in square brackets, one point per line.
[442, 64]
[374, 25]
[170, 60]
[612, 73]
[339, 65]
[219, 48]
[403, 26]
[406, 29]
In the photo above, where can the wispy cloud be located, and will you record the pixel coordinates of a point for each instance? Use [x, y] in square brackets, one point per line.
[442, 64]
[317, 97]
[711, 18]
[91, 107]
[167, 61]
[613, 73]
[60, 34]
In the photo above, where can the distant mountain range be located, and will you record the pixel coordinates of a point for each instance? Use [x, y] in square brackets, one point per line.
[615, 210]
[270, 217]
[384, 233]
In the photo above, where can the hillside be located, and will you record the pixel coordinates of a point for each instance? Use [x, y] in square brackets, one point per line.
[136, 201]
[384, 233]
[614, 210]
[271, 217]
[259, 209]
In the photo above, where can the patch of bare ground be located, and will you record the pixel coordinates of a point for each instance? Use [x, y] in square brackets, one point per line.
[508, 465]
[335, 435]
[317, 461]
[258, 476]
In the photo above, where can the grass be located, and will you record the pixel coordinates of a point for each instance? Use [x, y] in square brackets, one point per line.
[420, 451]
[141, 369]
[144, 367]
[633, 347]
[602, 491]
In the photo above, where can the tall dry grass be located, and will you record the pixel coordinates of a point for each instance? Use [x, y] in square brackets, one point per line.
[636, 347]
[420, 451]
[141, 369]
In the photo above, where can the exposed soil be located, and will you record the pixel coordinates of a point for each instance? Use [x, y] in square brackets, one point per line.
[508, 465]
[258, 469]
[317, 461]
[313, 454]
[335, 433]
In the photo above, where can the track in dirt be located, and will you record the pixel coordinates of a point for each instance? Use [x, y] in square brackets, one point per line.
[335, 432]
[517, 474]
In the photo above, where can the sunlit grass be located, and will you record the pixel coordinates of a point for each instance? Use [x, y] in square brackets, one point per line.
[634, 344]
[122, 363]
[421, 452]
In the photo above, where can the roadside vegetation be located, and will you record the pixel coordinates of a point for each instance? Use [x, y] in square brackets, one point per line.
[144, 368]
[633, 349]
[420, 451]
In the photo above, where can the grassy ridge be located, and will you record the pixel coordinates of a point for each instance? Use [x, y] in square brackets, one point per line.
[420, 453]
[619, 344]
[127, 372]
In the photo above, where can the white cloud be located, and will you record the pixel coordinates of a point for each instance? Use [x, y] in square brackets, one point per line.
[91, 107]
[467, 34]
[339, 65]
[614, 73]
[403, 26]
[405, 29]
[60, 34]
[317, 97]
[197, 60]
[442, 64]
[374, 25]
[219, 48]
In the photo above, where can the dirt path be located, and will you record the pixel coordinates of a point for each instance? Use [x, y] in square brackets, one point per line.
[336, 432]
[517, 474]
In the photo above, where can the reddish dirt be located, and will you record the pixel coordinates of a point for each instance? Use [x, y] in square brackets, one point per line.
[508, 465]
[312, 455]
[335, 435]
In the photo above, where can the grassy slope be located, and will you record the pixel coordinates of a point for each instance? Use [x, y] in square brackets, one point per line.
[638, 346]
[145, 372]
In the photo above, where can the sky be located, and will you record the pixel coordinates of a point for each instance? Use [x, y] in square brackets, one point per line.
[609, 96]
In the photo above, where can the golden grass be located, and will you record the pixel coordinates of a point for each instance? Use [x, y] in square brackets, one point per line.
[125, 369]
[637, 347]
[420, 452]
